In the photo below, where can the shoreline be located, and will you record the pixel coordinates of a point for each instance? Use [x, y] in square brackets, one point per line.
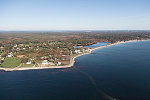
[72, 61]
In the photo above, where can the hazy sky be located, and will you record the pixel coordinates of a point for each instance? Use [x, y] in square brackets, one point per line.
[74, 14]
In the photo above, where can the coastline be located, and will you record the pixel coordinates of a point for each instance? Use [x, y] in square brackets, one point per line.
[72, 61]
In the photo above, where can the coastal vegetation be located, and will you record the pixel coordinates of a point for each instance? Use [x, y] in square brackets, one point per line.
[11, 62]
[55, 48]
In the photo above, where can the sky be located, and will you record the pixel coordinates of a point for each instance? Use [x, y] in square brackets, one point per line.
[74, 14]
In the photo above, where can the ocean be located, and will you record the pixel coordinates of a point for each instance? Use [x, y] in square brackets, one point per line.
[117, 72]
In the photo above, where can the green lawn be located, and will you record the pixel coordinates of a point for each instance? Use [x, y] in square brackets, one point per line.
[27, 65]
[11, 62]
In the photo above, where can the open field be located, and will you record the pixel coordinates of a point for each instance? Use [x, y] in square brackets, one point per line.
[11, 62]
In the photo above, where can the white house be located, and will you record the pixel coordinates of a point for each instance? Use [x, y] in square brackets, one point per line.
[10, 55]
[18, 49]
[78, 51]
[15, 45]
[2, 58]
[58, 63]
[29, 62]
[45, 62]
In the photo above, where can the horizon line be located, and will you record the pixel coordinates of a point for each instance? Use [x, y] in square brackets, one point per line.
[78, 30]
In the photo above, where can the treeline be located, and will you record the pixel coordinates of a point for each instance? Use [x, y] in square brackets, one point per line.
[74, 37]
[118, 36]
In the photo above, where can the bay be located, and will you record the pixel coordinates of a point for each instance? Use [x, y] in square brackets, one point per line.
[119, 72]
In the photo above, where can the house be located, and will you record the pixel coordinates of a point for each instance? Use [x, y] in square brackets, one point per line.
[58, 63]
[42, 57]
[78, 51]
[9, 55]
[15, 45]
[45, 62]
[29, 62]
[18, 49]
[2, 58]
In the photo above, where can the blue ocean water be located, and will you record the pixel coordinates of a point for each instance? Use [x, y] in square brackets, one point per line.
[119, 72]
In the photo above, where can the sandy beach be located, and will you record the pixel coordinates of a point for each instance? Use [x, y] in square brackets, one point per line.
[72, 61]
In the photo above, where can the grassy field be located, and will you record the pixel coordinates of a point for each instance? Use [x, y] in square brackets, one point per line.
[27, 65]
[11, 62]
